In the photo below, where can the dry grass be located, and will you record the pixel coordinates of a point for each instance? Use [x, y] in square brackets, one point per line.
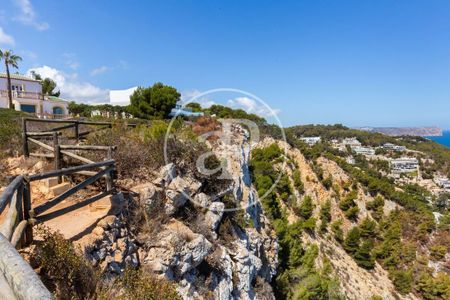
[140, 285]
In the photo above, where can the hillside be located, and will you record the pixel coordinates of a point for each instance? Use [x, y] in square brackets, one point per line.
[411, 131]
[283, 220]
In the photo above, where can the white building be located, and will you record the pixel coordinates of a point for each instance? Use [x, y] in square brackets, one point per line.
[121, 97]
[352, 142]
[404, 165]
[364, 150]
[311, 140]
[27, 96]
[443, 182]
[390, 146]
[350, 160]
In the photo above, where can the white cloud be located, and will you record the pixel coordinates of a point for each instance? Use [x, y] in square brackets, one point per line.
[252, 107]
[99, 70]
[187, 96]
[27, 15]
[70, 60]
[6, 39]
[71, 88]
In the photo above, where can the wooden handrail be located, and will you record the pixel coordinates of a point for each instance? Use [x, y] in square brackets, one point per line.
[7, 194]
[49, 204]
[43, 133]
[87, 147]
[22, 279]
[71, 170]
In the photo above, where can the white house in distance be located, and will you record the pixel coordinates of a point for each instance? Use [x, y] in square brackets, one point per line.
[27, 96]
[121, 97]
[311, 140]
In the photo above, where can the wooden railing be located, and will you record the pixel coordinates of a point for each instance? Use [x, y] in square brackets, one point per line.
[75, 124]
[16, 229]
[17, 226]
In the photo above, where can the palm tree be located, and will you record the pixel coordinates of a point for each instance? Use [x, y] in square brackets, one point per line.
[10, 60]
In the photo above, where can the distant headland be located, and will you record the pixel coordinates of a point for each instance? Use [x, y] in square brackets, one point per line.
[399, 131]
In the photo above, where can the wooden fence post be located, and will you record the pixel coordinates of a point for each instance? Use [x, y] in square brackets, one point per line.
[26, 151]
[57, 154]
[109, 177]
[26, 210]
[77, 134]
[19, 207]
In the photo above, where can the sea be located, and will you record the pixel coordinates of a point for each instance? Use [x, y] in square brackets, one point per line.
[443, 140]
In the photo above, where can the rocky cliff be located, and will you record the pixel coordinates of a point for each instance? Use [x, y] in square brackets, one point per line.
[214, 245]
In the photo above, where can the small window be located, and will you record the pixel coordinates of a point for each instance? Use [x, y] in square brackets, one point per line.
[58, 110]
[28, 108]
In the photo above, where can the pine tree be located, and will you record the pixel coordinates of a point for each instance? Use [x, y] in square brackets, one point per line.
[367, 228]
[306, 208]
[351, 243]
[325, 215]
[363, 255]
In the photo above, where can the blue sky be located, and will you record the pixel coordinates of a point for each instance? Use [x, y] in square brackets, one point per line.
[374, 63]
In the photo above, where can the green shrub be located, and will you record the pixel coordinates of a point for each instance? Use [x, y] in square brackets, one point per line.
[403, 280]
[306, 208]
[351, 242]
[64, 271]
[328, 182]
[368, 228]
[349, 201]
[325, 215]
[309, 225]
[431, 288]
[437, 252]
[352, 213]
[298, 183]
[138, 284]
[363, 255]
[336, 227]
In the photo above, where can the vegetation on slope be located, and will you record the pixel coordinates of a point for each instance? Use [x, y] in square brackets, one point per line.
[403, 242]
[297, 277]
[65, 272]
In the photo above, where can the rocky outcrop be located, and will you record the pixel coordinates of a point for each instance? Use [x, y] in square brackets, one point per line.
[115, 247]
[191, 247]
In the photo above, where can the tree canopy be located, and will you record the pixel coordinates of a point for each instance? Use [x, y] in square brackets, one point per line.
[153, 102]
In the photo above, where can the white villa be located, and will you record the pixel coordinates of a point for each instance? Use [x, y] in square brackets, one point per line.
[27, 96]
[311, 140]
[443, 182]
[352, 142]
[364, 150]
[390, 146]
[404, 165]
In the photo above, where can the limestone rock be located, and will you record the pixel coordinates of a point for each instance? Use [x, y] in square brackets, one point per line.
[107, 222]
[166, 175]
[202, 200]
[214, 215]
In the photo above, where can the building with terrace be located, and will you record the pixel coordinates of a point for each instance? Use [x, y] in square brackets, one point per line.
[352, 142]
[364, 150]
[404, 165]
[389, 146]
[27, 96]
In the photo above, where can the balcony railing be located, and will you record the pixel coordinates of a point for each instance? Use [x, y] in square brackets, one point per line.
[22, 95]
